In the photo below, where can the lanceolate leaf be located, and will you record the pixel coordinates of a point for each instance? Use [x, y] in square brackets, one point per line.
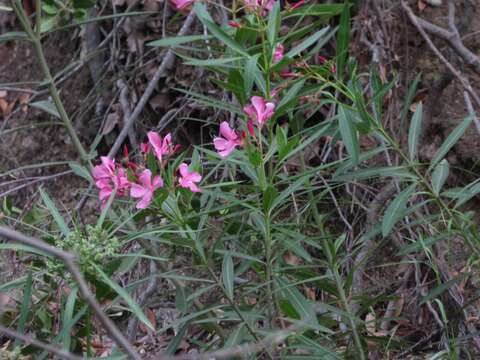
[439, 175]
[343, 40]
[349, 133]
[451, 140]
[395, 211]
[228, 274]
[273, 24]
[301, 305]
[414, 132]
[202, 13]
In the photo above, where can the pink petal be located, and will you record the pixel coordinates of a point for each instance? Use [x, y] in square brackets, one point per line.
[195, 176]
[193, 187]
[250, 111]
[220, 143]
[99, 172]
[167, 144]
[137, 191]
[145, 201]
[269, 110]
[259, 104]
[157, 182]
[183, 169]
[145, 179]
[108, 163]
[227, 132]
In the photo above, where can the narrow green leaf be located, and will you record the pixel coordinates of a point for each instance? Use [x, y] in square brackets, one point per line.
[13, 36]
[439, 176]
[136, 310]
[178, 40]
[62, 225]
[414, 132]
[408, 100]
[25, 308]
[81, 171]
[228, 274]
[301, 305]
[67, 318]
[387, 171]
[181, 299]
[250, 71]
[202, 13]
[440, 289]
[47, 106]
[343, 40]
[212, 62]
[450, 141]
[273, 24]
[395, 210]
[312, 39]
[349, 133]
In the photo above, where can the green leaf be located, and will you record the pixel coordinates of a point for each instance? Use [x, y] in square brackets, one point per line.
[301, 305]
[47, 106]
[136, 310]
[228, 274]
[178, 40]
[273, 24]
[202, 13]
[5, 8]
[269, 196]
[25, 309]
[312, 39]
[212, 62]
[414, 132]
[396, 209]
[13, 36]
[408, 100]
[439, 176]
[68, 316]
[249, 74]
[181, 299]
[387, 171]
[62, 225]
[81, 171]
[343, 40]
[289, 99]
[450, 141]
[349, 133]
[441, 288]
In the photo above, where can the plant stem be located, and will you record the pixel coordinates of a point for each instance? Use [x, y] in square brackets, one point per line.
[35, 38]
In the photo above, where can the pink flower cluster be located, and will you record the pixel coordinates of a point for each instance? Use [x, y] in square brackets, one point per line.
[111, 177]
[259, 111]
[180, 5]
[262, 6]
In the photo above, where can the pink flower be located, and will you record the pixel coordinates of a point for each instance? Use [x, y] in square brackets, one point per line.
[250, 128]
[189, 179]
[259, 111]
[160, 147]
[297, 5]
[145, 147]
[263, 6]
[278, 54]
[228, 140]
[234, 24]
[108, 179]
[181, 4]
[146, 188]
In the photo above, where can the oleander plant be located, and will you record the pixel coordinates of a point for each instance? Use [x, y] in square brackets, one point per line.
[266, 235]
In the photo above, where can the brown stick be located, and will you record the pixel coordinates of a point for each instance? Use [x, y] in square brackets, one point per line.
[39, 344]
[70, 262]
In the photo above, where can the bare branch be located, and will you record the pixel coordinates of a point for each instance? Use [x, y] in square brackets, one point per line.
[70, 262]
[419, 24]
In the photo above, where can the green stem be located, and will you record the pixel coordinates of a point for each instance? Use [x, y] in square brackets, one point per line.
[346, 306]
[36, 40]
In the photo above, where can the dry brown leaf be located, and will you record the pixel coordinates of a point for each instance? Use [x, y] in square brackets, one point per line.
[110, 122]
[152, 318]
[310, 294]
[6, 107]
[291, 259]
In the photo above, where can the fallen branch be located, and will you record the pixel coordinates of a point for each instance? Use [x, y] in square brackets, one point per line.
[416, 22]
[70, 262]
[167, 60]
